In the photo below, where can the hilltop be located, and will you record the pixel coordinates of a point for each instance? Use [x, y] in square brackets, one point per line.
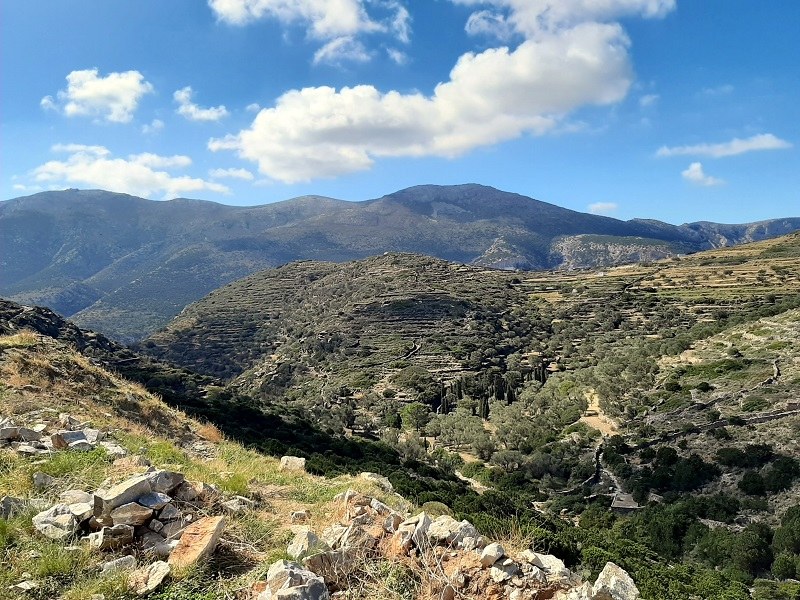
[124, 265]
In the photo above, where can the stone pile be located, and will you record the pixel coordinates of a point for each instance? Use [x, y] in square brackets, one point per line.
[464, 564]
[45, 437]
[157, 513]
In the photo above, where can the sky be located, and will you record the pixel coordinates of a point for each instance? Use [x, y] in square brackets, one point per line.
[678, 110]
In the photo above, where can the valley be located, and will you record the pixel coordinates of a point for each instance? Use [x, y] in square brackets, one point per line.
[641, 414]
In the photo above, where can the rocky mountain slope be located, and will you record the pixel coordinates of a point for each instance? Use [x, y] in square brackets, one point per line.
[124, 265]
[491, 393]
[109, 493]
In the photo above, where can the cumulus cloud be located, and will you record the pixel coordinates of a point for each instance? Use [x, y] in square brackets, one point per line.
[602, 208]
[532, 17]
[496, 95]
[695, 174]
[253, 107]
[341, 49]
[570, 55]
[113, 98]
[764, 141]
[192, 111]
[326, 20]
[94, 166]
[243, 174]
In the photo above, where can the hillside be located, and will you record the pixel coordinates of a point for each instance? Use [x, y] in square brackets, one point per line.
[125, 266]
[640, 415]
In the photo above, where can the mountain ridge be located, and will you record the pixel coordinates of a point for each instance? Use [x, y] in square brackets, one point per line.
[125, 265]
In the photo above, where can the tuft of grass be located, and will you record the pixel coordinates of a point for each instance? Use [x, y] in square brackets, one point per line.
[23, 339]
[112, 585]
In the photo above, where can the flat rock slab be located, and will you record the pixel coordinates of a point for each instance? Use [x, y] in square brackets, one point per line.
[128, 491]
[197, 542]
[145, 581]
[56, 523]
[292, 463]
[131, 513]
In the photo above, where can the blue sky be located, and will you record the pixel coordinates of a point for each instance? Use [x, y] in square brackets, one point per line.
[679, 110]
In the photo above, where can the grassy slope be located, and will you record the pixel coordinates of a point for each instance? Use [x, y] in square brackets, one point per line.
[42, 377]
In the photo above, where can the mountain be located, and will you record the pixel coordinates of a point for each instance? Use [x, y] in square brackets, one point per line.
[125, 266]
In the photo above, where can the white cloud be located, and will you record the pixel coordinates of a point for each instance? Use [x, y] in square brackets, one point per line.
[254, 107]
[648, 100]
[397, 56]
[326, 20]
[243, 174]
[531, 17]
[94, 166]
[493, 96]
[764, 141]
[192, 111]
[602, 208]
[154, 126]
[112, 98]
[342, 49]
[695, 174]
[494, 24]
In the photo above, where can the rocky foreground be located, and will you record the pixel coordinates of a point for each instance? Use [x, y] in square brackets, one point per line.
[157, 524]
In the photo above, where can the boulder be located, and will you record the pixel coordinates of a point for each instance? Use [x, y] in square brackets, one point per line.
[614, 583]
[81, 446]
[304, 544]
[491, 554]
[299, 516]
[173, 530]
[111, 538]
[154, 500]
[82, 510]
[145, 581]
[334, 565]
[290, 581]
[155, 525]
[446, 531]
[582, 592]
[503, 570]
[28, 435]
[75, 497]
[379, 480]
[9, 433]
[164, 482]
[114, 450]
[392, 522]
[62, 439]
[123, 563]
[42, 480]
[379, 507]
[412, 532]
[169, 513]
[56, 523]
[554, 567]
[355, 536]
[292, 463]
[154, 543]
[131, 513]
[10, 506]
[123, 493]
[332, 535]
[198, 541]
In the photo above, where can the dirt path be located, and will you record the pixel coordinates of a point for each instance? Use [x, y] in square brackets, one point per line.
[596, 418]
[476, 485]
